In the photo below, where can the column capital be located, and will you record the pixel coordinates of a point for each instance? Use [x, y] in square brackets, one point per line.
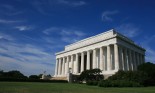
[88, 50]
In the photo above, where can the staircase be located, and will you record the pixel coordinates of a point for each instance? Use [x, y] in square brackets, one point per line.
[59, 78]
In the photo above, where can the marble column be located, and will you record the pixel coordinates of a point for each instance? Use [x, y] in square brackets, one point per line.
[63, 66]
[120, 58]
[94, 58]
[140, 57]
[116, 56]
[82, 61]
[108, 58]
[77, 64]
[137, 59]
[59, 67]
[134, 60]
[67, 70]
[104, 59]
[101, 58]
[88, 60]
[125, 59]
[56, 67]
[131, 61]
[72, 63]
[122, 55]
[143, 58]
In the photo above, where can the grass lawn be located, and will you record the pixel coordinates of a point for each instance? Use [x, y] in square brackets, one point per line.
[31, 87]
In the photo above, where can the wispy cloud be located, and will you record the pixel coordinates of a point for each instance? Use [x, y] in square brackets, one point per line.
[72, 3]
[150, 54]
[9, 10]
[148, 43]
[107, 15]
[23, 28]
[65, 32]
[51, 30]
[40, 6]
[6, 37]
[128, 29]
[4, 21]
[26, 58]
[68, 35]
[46, 6]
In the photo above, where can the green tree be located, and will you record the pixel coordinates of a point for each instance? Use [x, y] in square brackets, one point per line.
[34, 77]
[148, 68]
[91, 75]
[13, 74]
[40, 75]
[135, 76]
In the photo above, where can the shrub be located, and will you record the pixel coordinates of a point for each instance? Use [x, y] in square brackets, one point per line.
[90, 75]
[135, 76]
[118, 83]
[148, 68]
[32, 80]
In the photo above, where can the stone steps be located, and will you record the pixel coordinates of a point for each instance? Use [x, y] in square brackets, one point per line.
[59, 78]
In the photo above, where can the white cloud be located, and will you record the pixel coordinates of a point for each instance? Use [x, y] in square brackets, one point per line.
[28, 68]
[3, 21]
[46, 6]
[106, 16]
[6, 37]
[9, 10]
[150, 55]
[51, 30]
[40, 6]
[68, 35]
[72, 3]
[148, 43]
[65, 32]
[23, 28]
[129, 30]
[69, 40]
[27, 58]
[79, 33]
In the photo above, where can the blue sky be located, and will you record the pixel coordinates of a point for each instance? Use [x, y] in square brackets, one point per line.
[32, 31]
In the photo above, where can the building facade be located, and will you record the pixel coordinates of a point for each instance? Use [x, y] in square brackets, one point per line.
[109, 51]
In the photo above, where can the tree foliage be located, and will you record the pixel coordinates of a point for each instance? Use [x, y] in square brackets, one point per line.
[145, 75]
[148, 68]
[118, 83]
[91, 75]
[34, 77]
[135, 76]
[12, 74]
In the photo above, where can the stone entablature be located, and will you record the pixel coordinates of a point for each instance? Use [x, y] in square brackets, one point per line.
[91, 40]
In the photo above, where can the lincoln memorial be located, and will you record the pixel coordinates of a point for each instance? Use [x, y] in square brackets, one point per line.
[109, 51]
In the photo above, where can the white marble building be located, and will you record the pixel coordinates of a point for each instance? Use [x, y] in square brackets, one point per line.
[109, 51]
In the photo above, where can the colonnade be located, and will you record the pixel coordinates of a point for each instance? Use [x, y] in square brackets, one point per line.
[107, 58]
